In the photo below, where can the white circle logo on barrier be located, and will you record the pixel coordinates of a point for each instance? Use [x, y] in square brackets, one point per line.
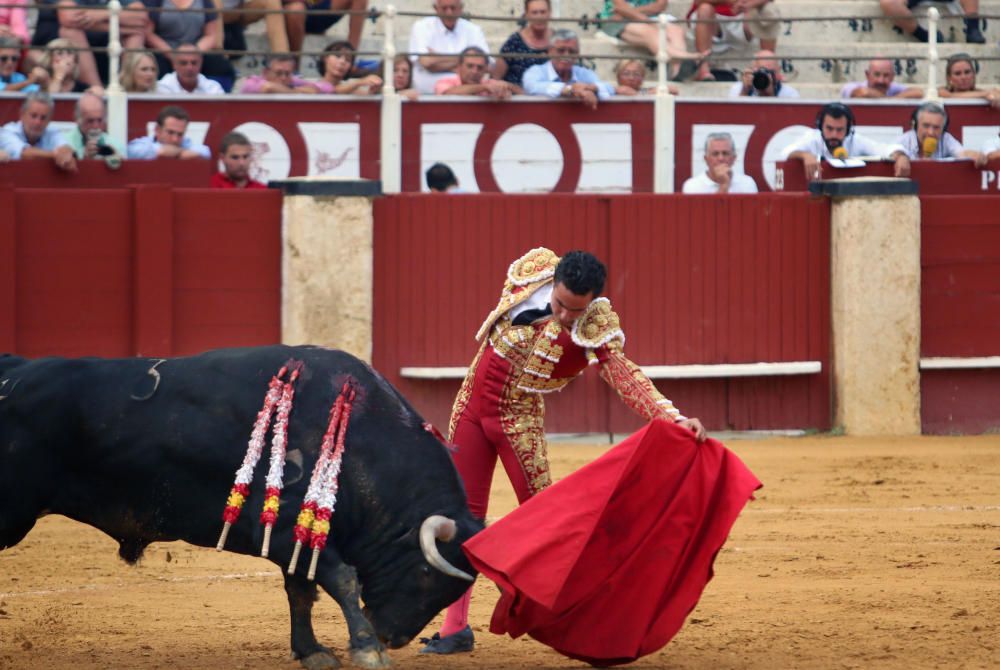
[527, 158]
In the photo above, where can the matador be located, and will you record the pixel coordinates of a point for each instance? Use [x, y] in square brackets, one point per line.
[549, 326]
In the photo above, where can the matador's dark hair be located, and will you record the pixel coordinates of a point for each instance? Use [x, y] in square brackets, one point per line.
[581, 273]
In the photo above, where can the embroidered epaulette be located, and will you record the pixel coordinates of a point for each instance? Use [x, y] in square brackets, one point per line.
[597, 326]
[536, 265]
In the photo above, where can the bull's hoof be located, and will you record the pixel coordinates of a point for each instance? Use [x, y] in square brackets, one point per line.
[370, 658]
[321, 660]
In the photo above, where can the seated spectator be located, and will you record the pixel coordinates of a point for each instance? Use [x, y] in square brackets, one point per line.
[734, 21]
[168, 140]
[928, 137]
[992, 149]
[622, 22]
[834, 137]
[472, 79]
[630, 72]
[763, 79]
[32, 137]
[196, 26]
[236, 154]
[531, 40]
[234, 23]
[561, 77]
[440, 179]
[402, 76]
[90, 138]
[278, 77]
[84, 23]
[12, 81]
[58, 70]
[960, 81]
[186, 76]
[140, 73]
[720, 156]
[879, 84]
[336, 64]
[436, 41]
[902, 17]
[308, 20]
[14, 21]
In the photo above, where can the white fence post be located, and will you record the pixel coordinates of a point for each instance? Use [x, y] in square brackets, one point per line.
[932, 54]
[117, 99]
[392, 112]
[663, 120]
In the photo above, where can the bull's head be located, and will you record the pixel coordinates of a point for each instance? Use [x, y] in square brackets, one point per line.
[430, 574]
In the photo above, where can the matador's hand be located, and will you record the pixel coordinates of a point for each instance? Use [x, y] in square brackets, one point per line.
[694, 425]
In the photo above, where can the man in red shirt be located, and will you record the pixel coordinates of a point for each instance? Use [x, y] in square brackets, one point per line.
[236, 153]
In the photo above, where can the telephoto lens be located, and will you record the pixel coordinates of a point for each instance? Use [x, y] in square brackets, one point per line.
[762, 79]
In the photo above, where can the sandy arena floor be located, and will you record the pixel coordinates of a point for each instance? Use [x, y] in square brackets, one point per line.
[858, 553]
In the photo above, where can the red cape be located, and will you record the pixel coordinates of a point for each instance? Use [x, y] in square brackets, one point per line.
[604, 565]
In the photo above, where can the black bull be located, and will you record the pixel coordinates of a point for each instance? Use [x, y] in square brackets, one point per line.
[149, 454]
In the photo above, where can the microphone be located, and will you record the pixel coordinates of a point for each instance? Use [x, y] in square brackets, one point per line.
[929, 146]
[840, 152]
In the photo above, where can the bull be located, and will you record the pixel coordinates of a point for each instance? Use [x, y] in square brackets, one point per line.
[146, 451]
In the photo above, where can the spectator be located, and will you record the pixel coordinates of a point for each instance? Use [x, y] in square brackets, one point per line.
[186, 76]
[735, 21]
[236, 154]
[629, 72]
[562, 78]
[33, 138]
[440, 179]
[58, 70]
[623, 22]
[929, 138]
[89, 138]
[12, 81]
[960, 81]
[879, 84]
[473, 79]
[435, 42]
[14, 21]
[336, 64]
[720, 156]
[235, 21]
[278, 77]
[402, 76]
[763, 79]
[992, 149]
[140, 74]
[531, 40]
[194, 26]
[835, 131]
[84, 23]
[902, 17]
[308, 21]
[168, 140]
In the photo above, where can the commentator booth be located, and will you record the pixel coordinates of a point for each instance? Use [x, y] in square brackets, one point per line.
[952, 177]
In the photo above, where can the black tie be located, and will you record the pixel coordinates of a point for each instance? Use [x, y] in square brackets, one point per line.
[529, 316]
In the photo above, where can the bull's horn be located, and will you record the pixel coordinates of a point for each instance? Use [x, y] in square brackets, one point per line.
[434, 528]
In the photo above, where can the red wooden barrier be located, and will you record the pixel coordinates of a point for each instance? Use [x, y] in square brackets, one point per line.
[146, 271]
[960, 311]
[95, 174]
[695, 280]
[933, 177]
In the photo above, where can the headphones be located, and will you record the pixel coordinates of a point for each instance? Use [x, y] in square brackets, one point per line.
[836, 110]
[933, 108]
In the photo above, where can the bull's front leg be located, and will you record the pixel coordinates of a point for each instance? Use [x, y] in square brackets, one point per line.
[341, 582]
[305, 648]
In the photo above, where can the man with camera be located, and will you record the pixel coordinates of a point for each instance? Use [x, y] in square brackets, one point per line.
[834, 137]
[90, 139]
[763, 79]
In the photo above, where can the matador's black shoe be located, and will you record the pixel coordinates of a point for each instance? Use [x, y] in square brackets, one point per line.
[461, 641]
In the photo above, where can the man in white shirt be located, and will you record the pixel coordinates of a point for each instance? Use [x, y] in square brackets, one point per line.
[880, 83]
[929, 139]
[436, 41]
[33, 138]
[187, 76]
[561, 77]
[763, 79]
[992, 149]
[720, 156]
[834, 137]
[168, 141]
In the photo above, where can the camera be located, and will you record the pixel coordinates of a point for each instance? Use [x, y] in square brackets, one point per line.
[762, 80]
[104, 150]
